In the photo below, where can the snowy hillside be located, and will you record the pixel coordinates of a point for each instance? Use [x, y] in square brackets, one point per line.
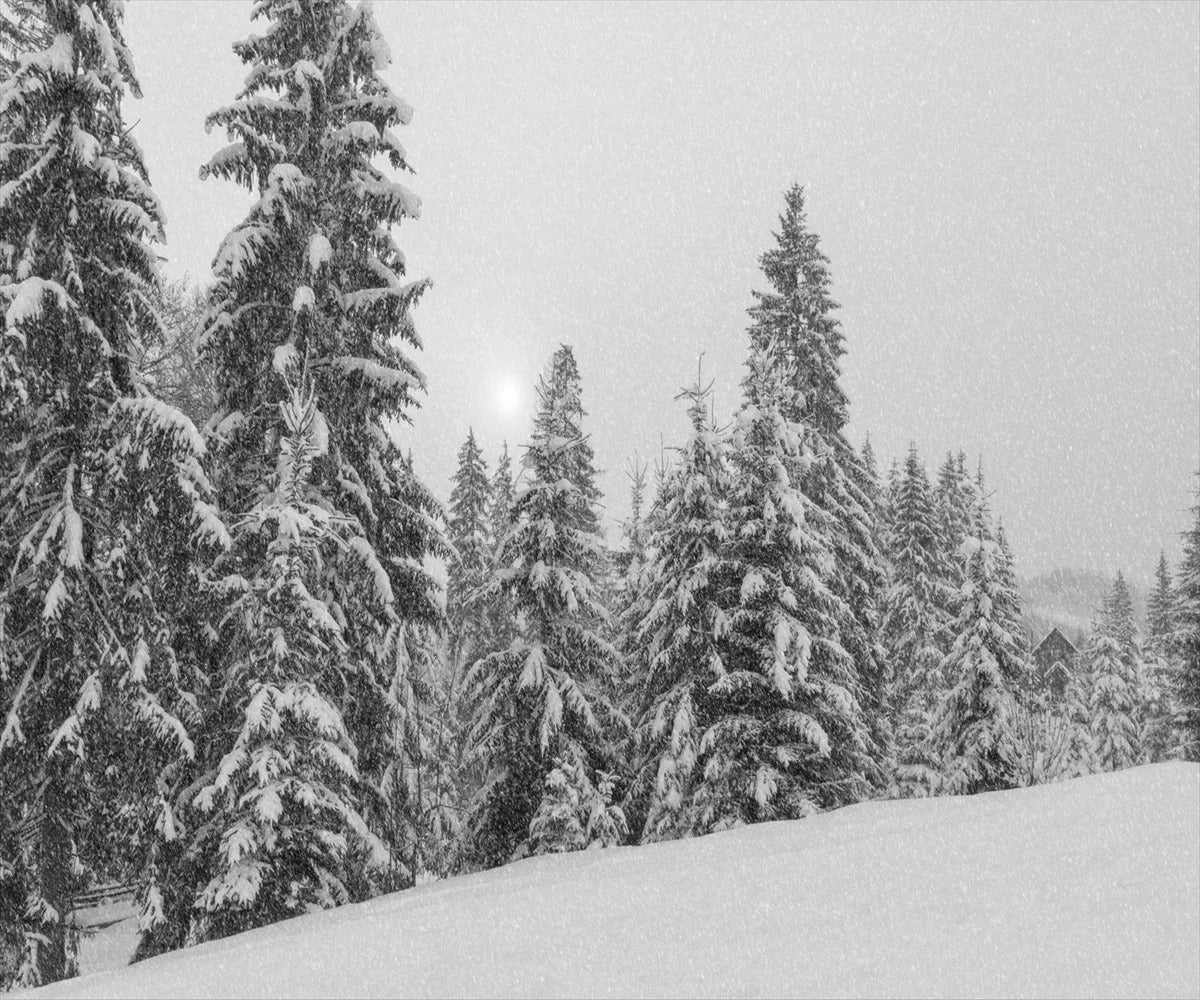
[1089, 888]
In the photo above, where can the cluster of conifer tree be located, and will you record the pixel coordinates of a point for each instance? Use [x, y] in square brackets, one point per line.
[214, 643]
[1124, 701]
[790, 633]
[227, 674]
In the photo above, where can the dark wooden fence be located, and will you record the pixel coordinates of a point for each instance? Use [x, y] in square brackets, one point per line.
[104, 905]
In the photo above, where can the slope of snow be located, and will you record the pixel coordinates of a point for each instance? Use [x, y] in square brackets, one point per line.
[1088, 888]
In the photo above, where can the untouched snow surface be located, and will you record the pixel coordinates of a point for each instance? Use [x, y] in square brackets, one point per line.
[1088, 888]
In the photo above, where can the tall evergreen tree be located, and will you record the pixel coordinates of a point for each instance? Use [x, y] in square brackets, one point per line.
[1160, 606]
[282, 797]
[1119, 618]
[539, 730]
[469, 622]
[503, 498]
[1114, 666]
[470, 560]
[1115, 737]
[952, 501]
[871, 467]
[561, 415]
[1186, 643]
[783, 728]
[886, 511]
[1010, 610]
[631, 581]
[1160, 667]
[913, 624]
[314, 272]
[105, 516]
[500, 626]
[878, 503]
[677, 626]
[878, 678]
[797, 314]
[982, 522]
[311, 285]
[973, 726]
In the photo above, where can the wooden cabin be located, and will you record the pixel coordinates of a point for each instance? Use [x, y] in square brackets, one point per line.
[1054, 661]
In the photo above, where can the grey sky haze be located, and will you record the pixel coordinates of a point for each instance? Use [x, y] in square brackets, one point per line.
[1009, 195]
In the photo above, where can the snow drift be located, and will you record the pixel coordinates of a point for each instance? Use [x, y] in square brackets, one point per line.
[1088, 888]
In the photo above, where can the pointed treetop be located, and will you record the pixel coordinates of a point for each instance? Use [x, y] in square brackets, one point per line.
[868, 458]
[799, 313]
[1160, 603]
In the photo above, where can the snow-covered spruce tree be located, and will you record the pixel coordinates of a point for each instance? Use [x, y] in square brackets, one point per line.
[1186, 644]
[628, 584]
[541, 700]
[676, 627]
[1077, 707]
[782, 729]
[1160, 606]
[470, 566]
[1122, 625]
[470, 560]
[497, 629]
[1010, 609]
[1115, 737]
[1159, 667]
[887, 503]
[499, 612]
[871, 466]
[574, 812]
[873, 489]
[1119, 619]
[914, 622]
[503, 494]
[630, 602]
[315, 271]
[561, 389]
[313, 279]
[418, 796]
[979, 498]
[280, 810]
[798, 314]
[562, 413]
[1115, 688]
[878, 684]
[105, 516]
[972, 727]
[952, 501]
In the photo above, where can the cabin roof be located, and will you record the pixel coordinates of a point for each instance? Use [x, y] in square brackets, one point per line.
[1050, 635]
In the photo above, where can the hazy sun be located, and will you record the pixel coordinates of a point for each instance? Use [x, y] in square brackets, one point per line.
[508, 397]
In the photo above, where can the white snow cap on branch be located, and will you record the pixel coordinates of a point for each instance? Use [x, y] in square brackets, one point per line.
[319, 252]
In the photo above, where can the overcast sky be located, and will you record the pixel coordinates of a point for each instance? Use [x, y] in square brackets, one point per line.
[1009, 194]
